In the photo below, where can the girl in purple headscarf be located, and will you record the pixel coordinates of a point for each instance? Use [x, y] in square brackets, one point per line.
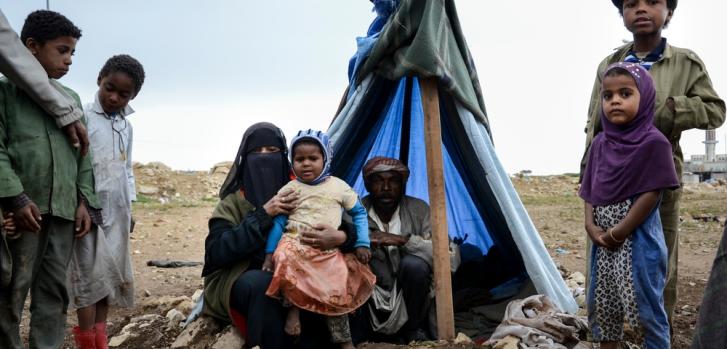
[628, 166]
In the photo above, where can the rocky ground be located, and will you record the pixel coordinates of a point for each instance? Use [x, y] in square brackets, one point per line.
[173, 209]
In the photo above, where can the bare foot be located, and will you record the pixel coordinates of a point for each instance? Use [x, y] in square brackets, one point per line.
[292, 323]
[347, 345]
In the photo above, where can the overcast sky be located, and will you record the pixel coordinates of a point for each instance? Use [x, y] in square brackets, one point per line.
[215, 67]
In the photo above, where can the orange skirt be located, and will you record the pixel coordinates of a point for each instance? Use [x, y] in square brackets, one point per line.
[324, 282]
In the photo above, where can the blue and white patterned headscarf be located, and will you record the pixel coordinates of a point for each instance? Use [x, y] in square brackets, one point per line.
[322, 139]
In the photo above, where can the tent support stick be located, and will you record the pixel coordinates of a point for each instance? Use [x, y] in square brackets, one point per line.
[437, 202]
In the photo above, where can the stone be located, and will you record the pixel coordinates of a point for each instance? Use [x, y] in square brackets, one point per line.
[185, 307]
[462, 339]
[145, 318]
[192, 334]
[175, 317]
[229, 338]
[119, 340]
[578, 277]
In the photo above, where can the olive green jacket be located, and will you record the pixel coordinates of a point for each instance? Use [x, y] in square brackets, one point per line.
[37, 159]
[681, 75]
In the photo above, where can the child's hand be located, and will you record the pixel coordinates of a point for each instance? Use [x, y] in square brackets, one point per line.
[28, 218]
[83, 220]
[363, 254]
[268, 264]
[9, 224]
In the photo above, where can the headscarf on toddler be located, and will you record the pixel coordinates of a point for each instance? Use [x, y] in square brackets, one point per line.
[626, 160]
[324, 143]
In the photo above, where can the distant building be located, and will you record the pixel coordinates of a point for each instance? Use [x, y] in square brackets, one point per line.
[708, 166]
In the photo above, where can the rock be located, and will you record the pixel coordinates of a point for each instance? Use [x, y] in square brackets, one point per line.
[148, 190]
[145, 318]
[229, 338]
[577, 277]
[147, 293]
[185, 307]
[462, 339]
[192, 334]
[119, 340]
[175, 317]
[581, 301]
[166, 302]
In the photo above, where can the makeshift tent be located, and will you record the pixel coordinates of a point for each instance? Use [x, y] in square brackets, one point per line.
[382, 115]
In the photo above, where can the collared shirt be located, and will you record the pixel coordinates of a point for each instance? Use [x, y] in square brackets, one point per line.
[650, 58]
[111, 138]
[37, 159]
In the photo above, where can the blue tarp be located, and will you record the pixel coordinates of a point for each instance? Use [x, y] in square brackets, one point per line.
[464, 220]
[385, 118]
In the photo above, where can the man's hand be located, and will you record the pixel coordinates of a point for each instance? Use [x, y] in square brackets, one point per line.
[281, 203]
[83, 221]
[322, 237]
[380, 238]
[28, 218]
[78, 136]
[363, 254]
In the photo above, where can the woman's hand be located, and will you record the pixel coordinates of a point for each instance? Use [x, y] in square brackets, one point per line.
[282, 203]
[322, 237]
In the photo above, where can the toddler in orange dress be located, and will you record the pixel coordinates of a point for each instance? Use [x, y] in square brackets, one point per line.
[324, 282]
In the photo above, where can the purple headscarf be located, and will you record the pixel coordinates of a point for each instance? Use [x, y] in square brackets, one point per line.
[625, 160]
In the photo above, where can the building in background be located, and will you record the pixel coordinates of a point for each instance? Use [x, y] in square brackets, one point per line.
[708, 166]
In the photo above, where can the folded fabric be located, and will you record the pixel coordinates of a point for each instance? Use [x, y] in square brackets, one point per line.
[539, 323]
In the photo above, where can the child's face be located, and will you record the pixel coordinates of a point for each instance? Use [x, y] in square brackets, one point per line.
[307, 161]
[115, 90]
[645, 17]
[56, 56]
[620, 99]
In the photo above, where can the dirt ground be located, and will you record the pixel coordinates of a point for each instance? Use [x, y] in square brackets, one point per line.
[172, 223]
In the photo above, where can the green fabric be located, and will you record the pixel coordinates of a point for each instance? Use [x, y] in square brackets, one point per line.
[37, 158]
[40, 263]
[424, 38]
[681, 75]
[218, 285]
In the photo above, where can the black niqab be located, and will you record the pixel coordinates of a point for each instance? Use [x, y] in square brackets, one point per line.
[259, 175]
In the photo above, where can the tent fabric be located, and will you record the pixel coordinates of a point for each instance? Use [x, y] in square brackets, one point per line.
[424, 38]
[383, 116]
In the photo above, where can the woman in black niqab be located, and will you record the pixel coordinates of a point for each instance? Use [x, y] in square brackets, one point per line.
[259, 175]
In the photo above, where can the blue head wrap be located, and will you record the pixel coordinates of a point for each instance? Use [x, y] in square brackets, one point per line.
[324, 142]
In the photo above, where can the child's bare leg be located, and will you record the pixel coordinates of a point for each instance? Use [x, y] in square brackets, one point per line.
[86, 317]
[292, 322]
[102, 310]
[340, 331]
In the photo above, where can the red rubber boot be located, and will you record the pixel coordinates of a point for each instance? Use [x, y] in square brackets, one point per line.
[84, 339]
[102, 340]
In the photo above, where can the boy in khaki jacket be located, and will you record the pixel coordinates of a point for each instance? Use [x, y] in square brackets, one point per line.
[685, 99]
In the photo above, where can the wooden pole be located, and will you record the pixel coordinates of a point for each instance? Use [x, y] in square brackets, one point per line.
[437, 203]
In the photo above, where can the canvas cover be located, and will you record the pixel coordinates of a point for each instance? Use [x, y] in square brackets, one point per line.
[382, 115]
